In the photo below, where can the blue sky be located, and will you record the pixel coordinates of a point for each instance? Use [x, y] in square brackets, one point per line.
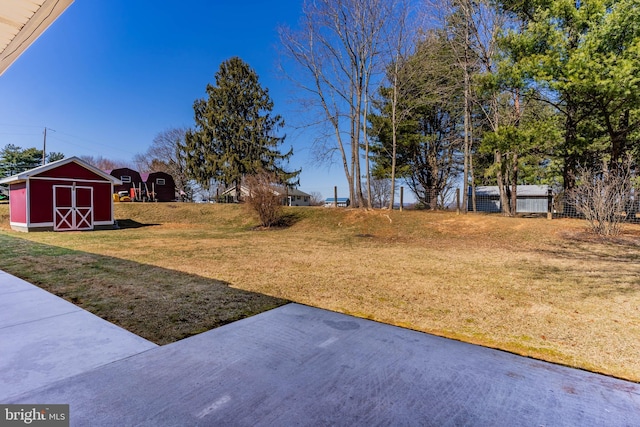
[108, 76]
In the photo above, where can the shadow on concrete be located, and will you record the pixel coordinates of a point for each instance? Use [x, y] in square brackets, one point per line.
[159, 304]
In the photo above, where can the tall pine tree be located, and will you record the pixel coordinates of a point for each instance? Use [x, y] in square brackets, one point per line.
[235, 131]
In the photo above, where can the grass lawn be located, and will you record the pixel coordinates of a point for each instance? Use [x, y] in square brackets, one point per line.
[540, 288]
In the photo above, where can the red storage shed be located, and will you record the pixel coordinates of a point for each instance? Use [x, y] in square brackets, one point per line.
[128, 179]
[162, 186]
[62, 196]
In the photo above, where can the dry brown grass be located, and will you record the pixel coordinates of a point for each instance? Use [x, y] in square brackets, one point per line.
[540, 288]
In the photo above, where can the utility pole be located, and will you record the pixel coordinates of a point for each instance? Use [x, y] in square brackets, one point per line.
[44, 148]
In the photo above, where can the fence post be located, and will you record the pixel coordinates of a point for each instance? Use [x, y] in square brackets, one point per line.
[457, 201]
[335, 196]
[550, 204]
[401, 198]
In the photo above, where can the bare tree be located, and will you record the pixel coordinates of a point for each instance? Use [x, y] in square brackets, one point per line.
[380, 192]
[337, 49]
[603, 198]
[474, 28]
[166, 155]
[399, 42]
[104, 163]
[316, 199]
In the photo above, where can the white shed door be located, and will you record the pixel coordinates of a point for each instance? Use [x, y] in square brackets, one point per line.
[72, 208]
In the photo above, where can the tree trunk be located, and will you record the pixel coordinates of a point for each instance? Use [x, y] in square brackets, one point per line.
[473, 182]
[394, 137]
[514, 185]
[467, 95]
[366, 154]
[504, 201]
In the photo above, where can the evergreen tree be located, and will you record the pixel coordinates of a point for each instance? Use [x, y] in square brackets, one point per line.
[235, 131]
[14, 159]
[584, 57]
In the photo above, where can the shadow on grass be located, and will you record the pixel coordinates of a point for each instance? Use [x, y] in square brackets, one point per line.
[288, 219]
[285, 220]
[600, 267]
[130, 223]
[587, 246]
[155, 303]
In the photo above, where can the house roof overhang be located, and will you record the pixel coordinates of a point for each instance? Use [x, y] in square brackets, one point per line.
[40, 169]
[22, 22]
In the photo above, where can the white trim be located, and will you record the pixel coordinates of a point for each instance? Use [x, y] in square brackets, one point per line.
[113, 214]
[73, 212]
[27, 194]
[50, 224]
[40, 169]
[89, 181]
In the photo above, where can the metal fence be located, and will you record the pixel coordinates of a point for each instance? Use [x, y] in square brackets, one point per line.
[546, 202]
[627, 210]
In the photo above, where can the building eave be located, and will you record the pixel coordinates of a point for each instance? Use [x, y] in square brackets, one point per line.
[24, 176]
[22, 22]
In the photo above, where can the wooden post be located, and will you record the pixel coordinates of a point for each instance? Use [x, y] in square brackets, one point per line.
[401, 198]
[550, 204]
[335, 196]
[457, 201]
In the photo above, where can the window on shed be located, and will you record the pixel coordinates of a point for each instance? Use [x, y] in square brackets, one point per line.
[125, 179]
[160, 181]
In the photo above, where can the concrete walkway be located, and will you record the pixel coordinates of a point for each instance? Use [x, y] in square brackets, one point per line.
[298, 365]
[44, 338]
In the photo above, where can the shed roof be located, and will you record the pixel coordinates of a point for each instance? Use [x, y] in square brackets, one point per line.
[523, 190]
[22, 22]
[23, 176]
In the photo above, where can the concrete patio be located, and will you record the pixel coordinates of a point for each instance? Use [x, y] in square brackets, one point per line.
[295, 365]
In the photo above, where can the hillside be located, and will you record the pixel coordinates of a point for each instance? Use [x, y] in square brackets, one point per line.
[541, 288]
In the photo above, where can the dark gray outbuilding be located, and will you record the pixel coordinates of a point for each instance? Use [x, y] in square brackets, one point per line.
[530, 199]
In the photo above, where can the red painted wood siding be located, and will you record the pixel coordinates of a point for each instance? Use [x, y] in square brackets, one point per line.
[71, 171]
[18, 202]
[42, 199]
[41, 195]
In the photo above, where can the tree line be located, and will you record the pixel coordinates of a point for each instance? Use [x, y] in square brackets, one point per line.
[475, 92]
[437, 94]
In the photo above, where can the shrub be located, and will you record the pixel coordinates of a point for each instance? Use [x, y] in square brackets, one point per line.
[265, 198]
[603, 198]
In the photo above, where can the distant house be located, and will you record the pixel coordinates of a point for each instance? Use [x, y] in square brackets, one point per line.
[530, 199]
[342, 202]
[290, 197]
[296, 197]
